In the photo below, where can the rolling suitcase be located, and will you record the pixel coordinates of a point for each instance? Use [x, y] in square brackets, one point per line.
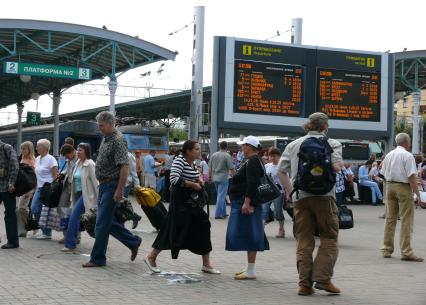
[156, 215]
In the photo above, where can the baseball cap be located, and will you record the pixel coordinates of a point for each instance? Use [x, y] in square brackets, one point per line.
[250, 140]
[318, 118]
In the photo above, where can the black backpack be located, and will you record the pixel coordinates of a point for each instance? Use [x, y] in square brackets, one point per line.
[315, 173]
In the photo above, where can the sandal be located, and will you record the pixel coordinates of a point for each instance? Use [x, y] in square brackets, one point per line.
[242, 276]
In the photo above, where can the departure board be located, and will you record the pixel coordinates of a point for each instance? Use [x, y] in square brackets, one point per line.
[349, 95]
[268, 88]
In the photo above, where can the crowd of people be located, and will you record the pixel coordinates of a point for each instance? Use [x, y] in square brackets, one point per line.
[311, 193]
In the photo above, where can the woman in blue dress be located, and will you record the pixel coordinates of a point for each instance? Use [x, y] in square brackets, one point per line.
[245, 227]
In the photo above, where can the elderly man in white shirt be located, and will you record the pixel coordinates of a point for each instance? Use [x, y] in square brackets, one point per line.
[400, 171]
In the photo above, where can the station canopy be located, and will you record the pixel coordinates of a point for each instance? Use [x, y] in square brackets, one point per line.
[36, 43]
[410, 72]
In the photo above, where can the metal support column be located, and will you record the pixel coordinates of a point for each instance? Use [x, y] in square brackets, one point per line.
[112, 86]
[55, 113]
[19, 139]
[197, 73]
[215, 99]
[416, 134]
[296, 30]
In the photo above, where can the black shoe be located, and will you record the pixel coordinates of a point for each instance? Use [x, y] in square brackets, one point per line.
[136, 220]
[9, 246]
[135, 251]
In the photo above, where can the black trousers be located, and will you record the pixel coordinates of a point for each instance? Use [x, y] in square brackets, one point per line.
[10, 220]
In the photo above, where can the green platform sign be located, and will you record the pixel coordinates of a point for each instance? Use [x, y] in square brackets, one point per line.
[20, 68]
[33, 118]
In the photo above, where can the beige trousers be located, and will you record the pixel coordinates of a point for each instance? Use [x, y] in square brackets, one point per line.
[312, 213]
[399, 199]
[22, 212]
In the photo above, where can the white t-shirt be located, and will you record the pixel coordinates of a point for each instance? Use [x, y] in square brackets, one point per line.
[43, 169]
[204, 168]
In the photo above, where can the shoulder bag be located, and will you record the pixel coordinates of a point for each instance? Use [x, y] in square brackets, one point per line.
[267, 189]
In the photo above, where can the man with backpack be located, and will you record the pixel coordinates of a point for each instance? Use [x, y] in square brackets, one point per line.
[312, 162]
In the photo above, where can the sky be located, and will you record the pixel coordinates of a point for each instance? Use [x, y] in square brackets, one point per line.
[361, 25]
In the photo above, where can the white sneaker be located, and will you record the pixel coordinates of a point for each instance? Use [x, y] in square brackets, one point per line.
[43, 237]
[33, 234]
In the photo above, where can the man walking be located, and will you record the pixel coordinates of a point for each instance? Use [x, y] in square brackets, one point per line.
[312, 211]
[8, 173]
[400, 171]
[220, 166]
[112, 168]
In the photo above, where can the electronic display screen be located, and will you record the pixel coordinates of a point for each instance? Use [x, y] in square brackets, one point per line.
[349, 95]
[355, 151]
[268, 88]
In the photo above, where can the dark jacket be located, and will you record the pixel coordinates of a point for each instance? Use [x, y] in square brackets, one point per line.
[247, 179]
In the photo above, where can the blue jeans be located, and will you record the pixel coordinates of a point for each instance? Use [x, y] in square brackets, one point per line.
[74, 223]
[10, 217]
[127, 190]
[278, 209]
[340, 199]
[375, 190]
[36, 207]
[107, 224]
[221, 190]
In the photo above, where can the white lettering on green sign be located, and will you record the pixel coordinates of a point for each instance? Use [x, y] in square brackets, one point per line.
[47, 70]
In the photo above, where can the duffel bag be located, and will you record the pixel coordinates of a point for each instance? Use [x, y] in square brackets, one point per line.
[346, 218]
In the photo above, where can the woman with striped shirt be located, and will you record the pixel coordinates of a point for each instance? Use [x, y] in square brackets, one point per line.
[187, 226]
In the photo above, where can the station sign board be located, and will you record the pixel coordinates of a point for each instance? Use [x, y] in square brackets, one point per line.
[33, 118]
[21, 68]
[273, 87]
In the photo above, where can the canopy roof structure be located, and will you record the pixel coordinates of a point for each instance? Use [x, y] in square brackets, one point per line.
[105, 52]
[410, 71]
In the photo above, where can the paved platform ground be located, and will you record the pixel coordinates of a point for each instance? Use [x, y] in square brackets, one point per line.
[38, 273]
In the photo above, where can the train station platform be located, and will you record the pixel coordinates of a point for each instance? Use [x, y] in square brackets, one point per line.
[38, 273]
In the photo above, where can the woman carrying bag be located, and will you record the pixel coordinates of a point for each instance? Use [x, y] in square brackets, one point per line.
[27, 154]
[84, 193]
[46, 169]
[245, 227]
[187, 225]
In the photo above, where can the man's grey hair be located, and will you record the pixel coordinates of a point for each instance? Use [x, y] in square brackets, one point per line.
[402, 138]
[106, 117]
[45, 143]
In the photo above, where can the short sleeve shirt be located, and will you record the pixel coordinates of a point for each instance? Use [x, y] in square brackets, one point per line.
[289, 160]
[112, 154]
[43, 169]
[399, 165]
[220, 163]
[149, 164]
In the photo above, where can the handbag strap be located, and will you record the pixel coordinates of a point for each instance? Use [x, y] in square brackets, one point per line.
[262, 165]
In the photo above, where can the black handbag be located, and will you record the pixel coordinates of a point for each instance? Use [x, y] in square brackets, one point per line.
[267, 189]
[51, 192]
[30, 223]
[198, 198]
[346, 218]
[88, 219]
[26, 180]
[124, 212]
